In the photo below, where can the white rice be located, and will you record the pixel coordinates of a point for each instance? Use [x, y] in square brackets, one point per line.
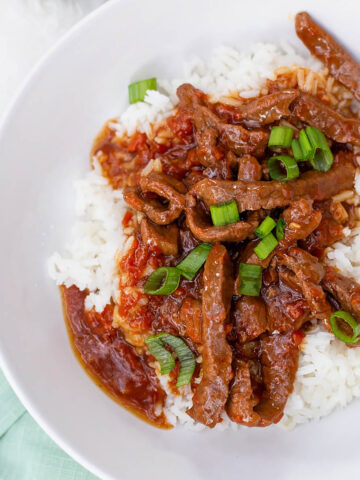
[329, 372]
[89, 258]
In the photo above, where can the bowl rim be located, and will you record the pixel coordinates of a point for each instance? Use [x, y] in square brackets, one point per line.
[15, 384]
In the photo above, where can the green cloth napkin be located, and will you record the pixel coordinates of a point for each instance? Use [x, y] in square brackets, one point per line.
[26, 452]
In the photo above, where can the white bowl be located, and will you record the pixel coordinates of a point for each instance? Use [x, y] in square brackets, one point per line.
[44, 144]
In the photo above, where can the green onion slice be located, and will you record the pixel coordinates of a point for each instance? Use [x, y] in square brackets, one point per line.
[137, 90]
[322, 158]
[183, 353]
[265, 227]
[350, 320]
[224, 213]
[280, 137]
[163, 281]
[275, 165]
[266, 246]
[194, 261]
[280, 228]
[305, 145]
[250, 279]
[163, 356]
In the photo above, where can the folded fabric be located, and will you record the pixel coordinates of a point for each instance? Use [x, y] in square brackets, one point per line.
[26, 452]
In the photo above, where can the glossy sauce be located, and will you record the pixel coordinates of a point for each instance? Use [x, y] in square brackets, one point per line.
[110, 361]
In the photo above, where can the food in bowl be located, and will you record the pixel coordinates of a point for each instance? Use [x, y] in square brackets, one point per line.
[211, 278]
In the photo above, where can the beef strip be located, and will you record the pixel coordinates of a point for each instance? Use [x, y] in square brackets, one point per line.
[261, 111]
[328, 231]
[164, 186]
[164, 239]
[234, 137]
[249, 318]
[268, 195]
[211, 394]
[286, 307]
[313, 111]
[249, 169]
[310, 272]
[201, 227]
[345, 290]
[301, 220]
[279, 359]
[241, 141]
[241, 402]
[340, 64]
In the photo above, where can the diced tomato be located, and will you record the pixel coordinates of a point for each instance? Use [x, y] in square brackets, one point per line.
[137, 142]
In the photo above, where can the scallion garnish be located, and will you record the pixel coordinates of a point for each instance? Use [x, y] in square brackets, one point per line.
[305, 145]
[183, 353]
[137, 90]
[322, 158]
[277, 164]
[266, 246]
[163, 281]
[312, 146]
[280, 137]
[265, 227]
[350, 321]
[224, 213]
[280, 229]
[194, 261]
[250, 279]
[163, 356]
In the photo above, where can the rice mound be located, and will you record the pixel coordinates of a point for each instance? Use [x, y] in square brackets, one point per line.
[329, 373]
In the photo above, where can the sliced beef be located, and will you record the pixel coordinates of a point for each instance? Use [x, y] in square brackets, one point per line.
[301, 220]
[191, 317]
[329, 230]
[249, 318]
[268, 195]
[316, 113]
[249, 169]
[321, 44]
[168, 318]
[279, 359]
[241, 141]
[202, 228]
[234, 137]
[241, 402]
[310, 272]
[163, 186]
[286, 307]
[164, 239]
[345, 290]
[212, 392]
[261, 111]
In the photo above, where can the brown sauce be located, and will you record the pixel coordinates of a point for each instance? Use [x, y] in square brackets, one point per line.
[110, 361]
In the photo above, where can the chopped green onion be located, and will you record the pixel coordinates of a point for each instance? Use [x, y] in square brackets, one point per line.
[350, 320]
[163, 281]
[265, 227]
[280, 228]
[305, 145]
[297, 151]
[137, 90]
[280, 137]
[183, 353]
[224, 213]
[163, 356]
[250, 279]
[266, 246]
[322, 158]
[194, 261]
[275, 168]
